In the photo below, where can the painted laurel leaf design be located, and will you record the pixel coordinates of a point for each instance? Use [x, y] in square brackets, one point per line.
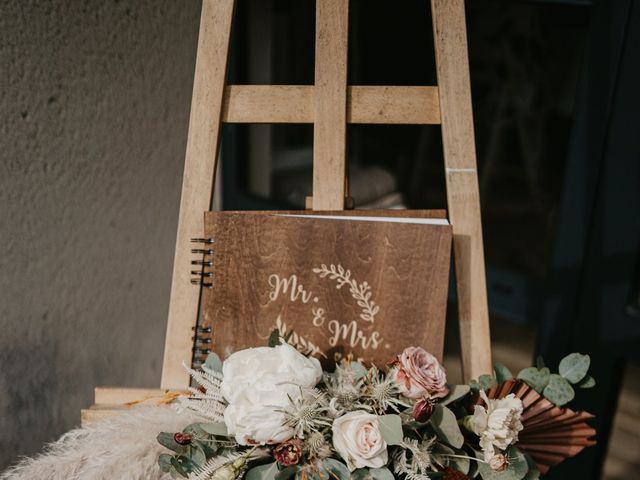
[303, 345]
[361, 292]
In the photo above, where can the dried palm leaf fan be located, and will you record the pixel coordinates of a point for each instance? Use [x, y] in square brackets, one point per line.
[550, 434]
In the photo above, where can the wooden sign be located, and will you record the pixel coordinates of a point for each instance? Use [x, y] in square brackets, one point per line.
[337, 284]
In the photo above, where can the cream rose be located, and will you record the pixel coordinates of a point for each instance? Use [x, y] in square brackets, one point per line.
[498, 424]
[358, 440]
[258, 384]
[418, 374]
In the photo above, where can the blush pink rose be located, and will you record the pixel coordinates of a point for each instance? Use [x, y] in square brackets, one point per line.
[418, 374]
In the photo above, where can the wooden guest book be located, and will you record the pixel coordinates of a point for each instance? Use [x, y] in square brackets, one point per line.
[337, 284]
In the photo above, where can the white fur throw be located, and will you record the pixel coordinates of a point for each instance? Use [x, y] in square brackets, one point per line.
[122, 447]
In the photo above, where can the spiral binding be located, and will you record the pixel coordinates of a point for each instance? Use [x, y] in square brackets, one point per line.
[199, 276]
[202, 335]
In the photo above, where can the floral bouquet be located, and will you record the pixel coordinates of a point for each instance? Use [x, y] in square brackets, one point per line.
[270, 413]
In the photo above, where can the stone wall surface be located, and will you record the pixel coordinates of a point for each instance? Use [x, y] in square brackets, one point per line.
[94, 104]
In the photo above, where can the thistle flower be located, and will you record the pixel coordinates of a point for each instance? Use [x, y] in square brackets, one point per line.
[382, 392]
[317, 447]
[307, 412]
[415, 459]
[345, 387]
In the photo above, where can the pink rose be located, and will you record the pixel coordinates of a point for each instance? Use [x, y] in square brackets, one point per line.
[418, 374]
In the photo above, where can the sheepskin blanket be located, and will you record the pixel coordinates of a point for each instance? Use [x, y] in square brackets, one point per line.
[122, 447]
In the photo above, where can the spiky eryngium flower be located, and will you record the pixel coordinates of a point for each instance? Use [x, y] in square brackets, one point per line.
[345, 388]
[317, 447]
[382, 392]
[414, 459]
[208, 403]
[307, 413]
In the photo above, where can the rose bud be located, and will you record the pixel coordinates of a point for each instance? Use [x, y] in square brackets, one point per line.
[288, 453]
[423, 410]
[182, 438]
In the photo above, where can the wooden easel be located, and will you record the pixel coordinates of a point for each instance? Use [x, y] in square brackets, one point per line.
[329, 104]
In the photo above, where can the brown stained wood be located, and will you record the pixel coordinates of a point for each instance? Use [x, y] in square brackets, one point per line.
[365, 104]
[463, 198]
[264, 278]
[330, 104]
[198, 181]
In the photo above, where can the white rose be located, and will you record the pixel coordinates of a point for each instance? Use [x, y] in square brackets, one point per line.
[357, 438]
[498, 424]
[258, 384]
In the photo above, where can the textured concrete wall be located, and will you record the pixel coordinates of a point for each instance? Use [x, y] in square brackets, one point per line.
[94, 103]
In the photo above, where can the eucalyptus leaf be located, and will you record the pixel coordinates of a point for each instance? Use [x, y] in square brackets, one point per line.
[337, 468]
[359, 370]
[197, 455]
[381, 473]
[446, 426]
[263, 472]
[502, 373]
[453, 458]
[516, 470]
[574, 367]
[540, 362]
[456, 392]
[391, 429]
[286, 473]
[217, 428]
[209, 447]
[164, 462]
[166, 440]
[559, 391]
[361, 474]
[535, 378]
[487, 381]
[196, 430]
[587, 382]
[274, 338]
[213, 362]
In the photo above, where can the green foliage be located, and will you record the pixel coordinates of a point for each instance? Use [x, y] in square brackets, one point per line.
[372, 474]
[574, 367]
[164, 462]
[516, 470]
[484, 382]
[502, 373]
[391, 429]
[556, 387]
[215, 428]
[274, 338]
[286, 473]
[263, 472]
[587, 382]
[559, 391]
[456, 392]
[359, 370]
[213, 362]
[458, 462]
[535, 378]
[446, 426]
[166, 440]
[336, 469]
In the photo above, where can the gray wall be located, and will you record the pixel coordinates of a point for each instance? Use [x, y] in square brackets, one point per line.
[94, 103]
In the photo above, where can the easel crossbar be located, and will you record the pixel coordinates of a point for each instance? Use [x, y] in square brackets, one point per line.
[399, 105]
